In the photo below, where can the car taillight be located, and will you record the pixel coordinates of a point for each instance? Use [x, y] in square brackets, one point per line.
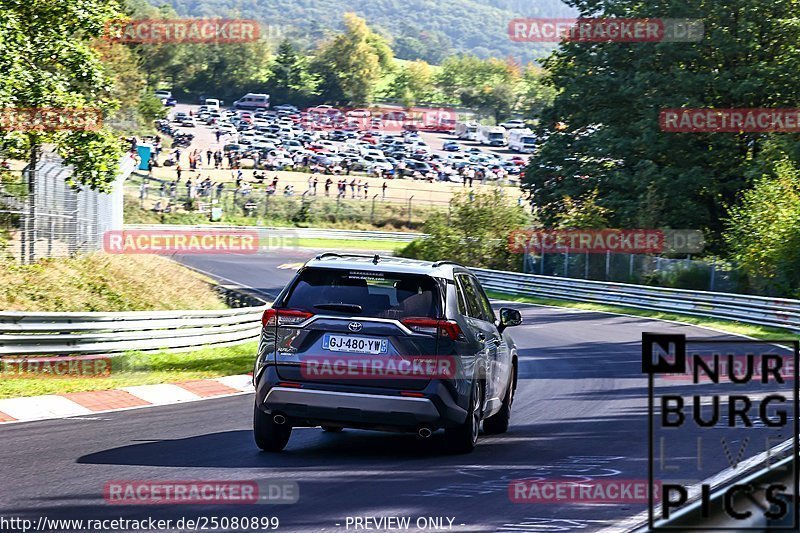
[284, 317]
[432, 326]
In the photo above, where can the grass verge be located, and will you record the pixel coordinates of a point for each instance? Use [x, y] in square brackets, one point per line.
[137, 368]
[347, 244]
[104, 282]
[738, 328]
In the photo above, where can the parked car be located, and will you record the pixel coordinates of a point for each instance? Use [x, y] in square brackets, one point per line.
[384, 311]
[513, 124]
[451, 146]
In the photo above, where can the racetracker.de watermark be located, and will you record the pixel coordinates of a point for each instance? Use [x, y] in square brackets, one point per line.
[179, 31]
[211, 241]
[185, 492]
[369, 367]
[380, 119]
[630, 241]
[709, 120]
[88, 366]
[579, 491]
[40, 119]
[598, 30]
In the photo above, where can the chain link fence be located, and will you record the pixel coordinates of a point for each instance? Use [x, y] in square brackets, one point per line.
[685, 273]
[66, 220]
[358, 206]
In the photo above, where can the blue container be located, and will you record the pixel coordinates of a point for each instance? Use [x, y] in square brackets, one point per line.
[144, 151]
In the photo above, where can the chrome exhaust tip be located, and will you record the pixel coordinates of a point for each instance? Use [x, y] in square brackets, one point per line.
[424, 432]
[279, 419]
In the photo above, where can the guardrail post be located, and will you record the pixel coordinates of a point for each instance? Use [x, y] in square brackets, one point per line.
[51, 237]
[566, 264]
[586, 266]
[713, 274]
[630, 266]
[409, 210]
[608, 263]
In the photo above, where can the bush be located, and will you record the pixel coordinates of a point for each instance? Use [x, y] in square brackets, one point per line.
[763, 232]
[474, 233]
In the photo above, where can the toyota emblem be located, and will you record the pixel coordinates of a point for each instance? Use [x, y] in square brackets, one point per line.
[354, 326]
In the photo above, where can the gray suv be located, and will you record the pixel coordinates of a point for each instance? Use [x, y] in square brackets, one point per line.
[385, 344]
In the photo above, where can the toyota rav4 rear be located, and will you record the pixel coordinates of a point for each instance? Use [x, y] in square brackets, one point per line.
[384, 344]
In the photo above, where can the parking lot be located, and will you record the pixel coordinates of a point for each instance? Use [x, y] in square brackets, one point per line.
[365, 165]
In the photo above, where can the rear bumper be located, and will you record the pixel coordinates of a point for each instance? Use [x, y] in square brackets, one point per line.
[362, 407]
[350, 407]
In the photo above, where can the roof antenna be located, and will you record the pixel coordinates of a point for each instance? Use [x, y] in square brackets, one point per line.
[376, 259]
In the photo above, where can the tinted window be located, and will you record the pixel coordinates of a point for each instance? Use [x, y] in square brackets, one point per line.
[473, 307]
[376, 294]
[488, 313]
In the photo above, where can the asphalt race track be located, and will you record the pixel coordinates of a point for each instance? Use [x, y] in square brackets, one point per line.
[580, 412]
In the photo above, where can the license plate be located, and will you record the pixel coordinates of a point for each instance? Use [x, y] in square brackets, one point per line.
[348, 343]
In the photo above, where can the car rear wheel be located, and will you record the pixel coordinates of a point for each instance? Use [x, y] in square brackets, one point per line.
[269, 436]
[498, 423]
[463, 438]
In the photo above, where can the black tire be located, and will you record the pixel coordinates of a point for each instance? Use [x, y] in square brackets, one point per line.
[269, 436]
[498, 423]
[463, 438]
[332, 429]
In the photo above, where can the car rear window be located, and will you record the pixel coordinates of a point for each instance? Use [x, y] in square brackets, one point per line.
[365, 293]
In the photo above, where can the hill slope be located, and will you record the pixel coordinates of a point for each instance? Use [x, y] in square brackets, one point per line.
[426, 29]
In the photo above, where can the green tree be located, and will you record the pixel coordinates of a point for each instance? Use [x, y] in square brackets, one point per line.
[763, 232]
[583, 213]
[291, 80]
[490, 84]
[48, 62]
[536, 95]
[602, 131]
[413, 83]
[351, 64]
[475, 232]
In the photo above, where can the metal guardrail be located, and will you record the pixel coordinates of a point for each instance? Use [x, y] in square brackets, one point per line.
[77, 333]
[715, 518]
[300, 233]
[774, 312]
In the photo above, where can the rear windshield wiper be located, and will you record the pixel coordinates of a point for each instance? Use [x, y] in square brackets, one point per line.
[350, 308]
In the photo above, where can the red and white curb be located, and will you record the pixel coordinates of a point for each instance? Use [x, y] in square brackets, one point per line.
[86, 403]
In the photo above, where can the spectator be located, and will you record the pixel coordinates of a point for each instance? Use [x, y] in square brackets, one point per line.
[178, 170]
[383, 187]
[328, 182]
[366, 189]
[314, 185]
[220, 186]
[209, 153]
[158, 208]
[353, 188]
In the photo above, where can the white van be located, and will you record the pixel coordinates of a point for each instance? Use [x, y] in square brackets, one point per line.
[252, 101]
[212, 104]
[466, 130]
[491, 135]
[522, 140]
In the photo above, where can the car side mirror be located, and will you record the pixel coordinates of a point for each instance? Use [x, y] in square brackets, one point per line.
[509, 317]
